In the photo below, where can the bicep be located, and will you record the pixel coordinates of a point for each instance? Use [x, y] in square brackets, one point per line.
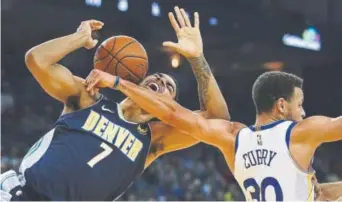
[57, 81]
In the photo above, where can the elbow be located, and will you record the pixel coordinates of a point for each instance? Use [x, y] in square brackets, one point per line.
[32, 60]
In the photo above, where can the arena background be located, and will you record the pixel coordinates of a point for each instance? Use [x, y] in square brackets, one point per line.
[242, 39]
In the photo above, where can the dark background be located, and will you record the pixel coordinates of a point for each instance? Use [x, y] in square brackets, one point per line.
[245, 42]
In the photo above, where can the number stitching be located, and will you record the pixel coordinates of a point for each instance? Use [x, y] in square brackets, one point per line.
[96, 159]
[268, 181]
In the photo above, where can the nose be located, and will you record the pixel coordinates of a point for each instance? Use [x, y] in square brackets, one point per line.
[303, 113]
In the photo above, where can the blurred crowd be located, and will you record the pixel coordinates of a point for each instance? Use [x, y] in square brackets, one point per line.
[199, 173]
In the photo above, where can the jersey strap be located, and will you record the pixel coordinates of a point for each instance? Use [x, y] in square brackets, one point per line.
[288, 134]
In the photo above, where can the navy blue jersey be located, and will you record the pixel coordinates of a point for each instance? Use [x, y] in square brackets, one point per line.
[91, 154]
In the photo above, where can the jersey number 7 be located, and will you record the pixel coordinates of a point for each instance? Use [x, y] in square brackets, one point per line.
[107, 150]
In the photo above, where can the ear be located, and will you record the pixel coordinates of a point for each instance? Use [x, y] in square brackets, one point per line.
[281, 105]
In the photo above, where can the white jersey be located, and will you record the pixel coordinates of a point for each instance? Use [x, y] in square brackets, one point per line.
[264, 168]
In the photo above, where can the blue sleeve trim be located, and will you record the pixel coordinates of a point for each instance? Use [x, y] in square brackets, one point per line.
[288, 134]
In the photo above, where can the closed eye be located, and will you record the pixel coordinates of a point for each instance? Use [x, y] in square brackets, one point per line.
[171, 89]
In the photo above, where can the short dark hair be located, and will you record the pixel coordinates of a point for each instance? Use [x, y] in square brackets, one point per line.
[271, 86]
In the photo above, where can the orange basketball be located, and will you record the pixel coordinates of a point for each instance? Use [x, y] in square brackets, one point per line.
[122, 56]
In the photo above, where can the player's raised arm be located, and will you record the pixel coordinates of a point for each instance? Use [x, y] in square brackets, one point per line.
[318, 129]
[42, 61]
[191, 47]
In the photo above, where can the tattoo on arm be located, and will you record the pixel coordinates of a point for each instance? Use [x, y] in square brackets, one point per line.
[202, 73]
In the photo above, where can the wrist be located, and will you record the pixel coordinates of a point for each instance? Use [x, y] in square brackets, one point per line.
[196, 57]
[116, 83]
[198, 62]
[81, 37]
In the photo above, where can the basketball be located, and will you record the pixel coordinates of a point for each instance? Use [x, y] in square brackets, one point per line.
[122, 56]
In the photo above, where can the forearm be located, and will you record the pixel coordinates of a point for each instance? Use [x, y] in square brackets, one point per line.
[50, 52]
[160, 106]
[331, 191]
[210, 96]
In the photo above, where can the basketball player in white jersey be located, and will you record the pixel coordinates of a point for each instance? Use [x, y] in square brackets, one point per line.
[270, 160]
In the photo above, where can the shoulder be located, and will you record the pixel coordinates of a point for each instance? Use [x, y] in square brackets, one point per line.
[232, 128]
[311, 130]
[310, 125]
[318, 129]
[237, 127]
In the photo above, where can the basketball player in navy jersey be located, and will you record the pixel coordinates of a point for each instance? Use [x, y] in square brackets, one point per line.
[270, 160]
[99, 147]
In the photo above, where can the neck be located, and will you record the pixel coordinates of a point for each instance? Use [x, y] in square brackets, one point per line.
[266, 118]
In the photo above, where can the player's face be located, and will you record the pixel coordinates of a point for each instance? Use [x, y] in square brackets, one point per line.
[294, 107]
[161, 83]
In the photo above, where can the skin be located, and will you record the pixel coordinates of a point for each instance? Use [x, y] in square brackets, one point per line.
[306, 136]
[328, 191]
[61, 84]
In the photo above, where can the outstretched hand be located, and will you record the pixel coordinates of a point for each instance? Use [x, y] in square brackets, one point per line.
[189, 37]
[86, 27]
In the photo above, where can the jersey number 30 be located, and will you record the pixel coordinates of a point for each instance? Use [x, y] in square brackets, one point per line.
[254, 189]
[107, 150]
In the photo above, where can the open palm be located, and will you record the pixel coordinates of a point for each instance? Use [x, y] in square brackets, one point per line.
[189, 37]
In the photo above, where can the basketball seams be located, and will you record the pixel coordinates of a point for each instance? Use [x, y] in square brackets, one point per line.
[100, 59]
[141, 61]
[109, 53]
[127, 69]
[108, 64]
[119, 61]
[133, 56]
[113, 56]
[123, 47]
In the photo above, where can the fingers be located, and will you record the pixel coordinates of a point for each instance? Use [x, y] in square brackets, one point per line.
[171, 45]
[94, 91]
[92, 84]
[91, 44]
[182, 19]
[186, 18]
[179, 17]
[91, 79]
[197, 22]
[94, 42]
[95, 24]
[173, 22]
